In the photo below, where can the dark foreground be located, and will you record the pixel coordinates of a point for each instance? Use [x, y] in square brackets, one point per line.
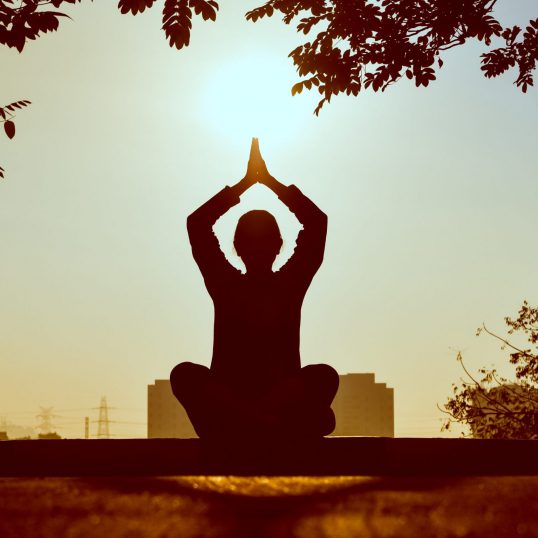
[258, 507]
[336, 456]
[338, 487]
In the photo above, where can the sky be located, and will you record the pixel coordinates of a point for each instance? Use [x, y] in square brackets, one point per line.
[431, 197]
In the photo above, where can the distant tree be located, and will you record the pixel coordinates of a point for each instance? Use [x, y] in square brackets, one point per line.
[50, 435]
[493, 406]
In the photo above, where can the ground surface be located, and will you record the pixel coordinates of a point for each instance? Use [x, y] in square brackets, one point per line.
[258, 507]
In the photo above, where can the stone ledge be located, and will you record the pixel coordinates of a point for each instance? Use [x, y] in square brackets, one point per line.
[335, 456]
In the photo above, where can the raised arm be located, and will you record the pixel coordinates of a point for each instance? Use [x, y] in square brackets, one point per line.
[205, 246]
[308, 254]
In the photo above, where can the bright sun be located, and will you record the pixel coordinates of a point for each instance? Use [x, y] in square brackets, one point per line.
[252, 97]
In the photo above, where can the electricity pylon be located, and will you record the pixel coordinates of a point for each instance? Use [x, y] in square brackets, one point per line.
[103, 430]
[45, 417]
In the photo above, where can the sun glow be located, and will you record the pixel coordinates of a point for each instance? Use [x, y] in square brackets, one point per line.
[252, 97]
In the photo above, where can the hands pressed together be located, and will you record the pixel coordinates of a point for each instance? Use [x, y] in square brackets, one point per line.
[256, 171]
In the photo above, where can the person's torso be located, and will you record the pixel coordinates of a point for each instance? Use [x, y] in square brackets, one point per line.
[257, 328]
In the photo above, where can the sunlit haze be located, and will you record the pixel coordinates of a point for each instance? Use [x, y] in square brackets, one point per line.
[250, 96]
[430, 193]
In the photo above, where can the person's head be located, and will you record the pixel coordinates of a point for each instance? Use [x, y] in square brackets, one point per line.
[257, 240]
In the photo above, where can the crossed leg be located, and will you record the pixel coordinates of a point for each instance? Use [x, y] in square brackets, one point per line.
[301, 403]
[297, 406]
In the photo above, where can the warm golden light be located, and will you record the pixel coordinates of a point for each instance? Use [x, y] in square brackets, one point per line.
[251, 96]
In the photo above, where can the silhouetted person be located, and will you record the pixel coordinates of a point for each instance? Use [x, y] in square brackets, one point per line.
[256, 385]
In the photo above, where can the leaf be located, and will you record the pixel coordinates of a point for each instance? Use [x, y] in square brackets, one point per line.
[1, 173]
[297, 88]
[207, 9]
[9, 128]
[177, 22]
[134, 6]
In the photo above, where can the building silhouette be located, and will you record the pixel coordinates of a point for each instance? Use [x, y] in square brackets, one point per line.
[361, 407]
[166, 416]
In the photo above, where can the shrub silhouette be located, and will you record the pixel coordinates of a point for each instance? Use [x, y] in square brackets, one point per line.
[493, 406]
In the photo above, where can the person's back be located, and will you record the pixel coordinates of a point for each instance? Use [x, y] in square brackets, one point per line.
[256, 335]
[257, 315]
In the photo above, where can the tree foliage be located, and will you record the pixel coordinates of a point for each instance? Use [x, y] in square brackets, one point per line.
[7, 115]
[370, 44]
[493, 406]
[25, 20]
[22, 21]
[355, 44]
[364, 44]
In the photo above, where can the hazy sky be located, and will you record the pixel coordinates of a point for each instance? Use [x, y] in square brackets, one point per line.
[431, 196]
